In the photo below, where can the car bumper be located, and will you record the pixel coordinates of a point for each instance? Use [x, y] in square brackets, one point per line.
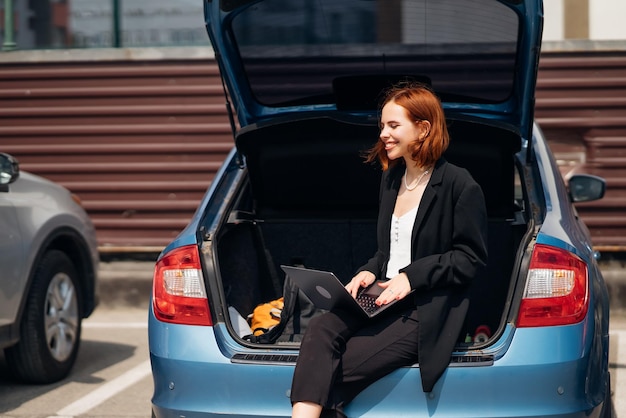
[542, 373]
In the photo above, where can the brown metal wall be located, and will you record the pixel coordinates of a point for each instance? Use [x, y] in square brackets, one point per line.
[581, 106]
[140, 141]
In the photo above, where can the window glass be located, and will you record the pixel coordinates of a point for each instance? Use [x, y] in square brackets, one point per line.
[44, 24]
[466, 48]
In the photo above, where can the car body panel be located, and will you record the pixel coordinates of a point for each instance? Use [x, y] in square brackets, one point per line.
[563, 228]
[547, 365]
[11, 249]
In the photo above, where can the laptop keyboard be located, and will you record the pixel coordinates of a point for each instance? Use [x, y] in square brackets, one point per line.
[367, 302]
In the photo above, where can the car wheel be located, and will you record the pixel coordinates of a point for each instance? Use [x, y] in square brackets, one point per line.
[51, 323]
[608, 402]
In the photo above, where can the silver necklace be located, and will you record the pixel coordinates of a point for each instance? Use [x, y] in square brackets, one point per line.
[406, 186]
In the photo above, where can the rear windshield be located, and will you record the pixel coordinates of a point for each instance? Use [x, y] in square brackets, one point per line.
[299, 52]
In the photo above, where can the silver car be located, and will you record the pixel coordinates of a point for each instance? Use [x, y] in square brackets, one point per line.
[49, 260]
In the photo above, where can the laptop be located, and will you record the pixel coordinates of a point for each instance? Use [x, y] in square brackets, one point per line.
[326, 291]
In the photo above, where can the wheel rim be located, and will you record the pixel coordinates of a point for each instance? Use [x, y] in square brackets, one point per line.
[61, 317]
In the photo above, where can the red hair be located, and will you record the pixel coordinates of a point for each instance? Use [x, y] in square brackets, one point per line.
[420, 104]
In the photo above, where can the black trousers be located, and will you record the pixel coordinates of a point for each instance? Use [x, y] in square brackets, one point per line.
[342, 354]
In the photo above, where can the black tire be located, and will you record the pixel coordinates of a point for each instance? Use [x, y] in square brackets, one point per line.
[51, 323]
[608, 403]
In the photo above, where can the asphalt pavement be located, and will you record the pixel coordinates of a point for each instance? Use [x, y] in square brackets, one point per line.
[127, 280]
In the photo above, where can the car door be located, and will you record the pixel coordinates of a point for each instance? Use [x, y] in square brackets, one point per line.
[11, 260]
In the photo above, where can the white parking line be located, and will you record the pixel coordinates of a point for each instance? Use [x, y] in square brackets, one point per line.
[618, 372]
[104, 392]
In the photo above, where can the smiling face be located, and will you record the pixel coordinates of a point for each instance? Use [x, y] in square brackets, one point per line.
[398, 131]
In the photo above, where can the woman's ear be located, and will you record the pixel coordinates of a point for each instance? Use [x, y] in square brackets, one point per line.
[424, 128]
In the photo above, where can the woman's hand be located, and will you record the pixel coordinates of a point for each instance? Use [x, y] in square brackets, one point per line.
[396, 288]
[362, 279]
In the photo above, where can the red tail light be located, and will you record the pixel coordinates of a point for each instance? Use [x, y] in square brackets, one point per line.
[179, 293]
[556, 289]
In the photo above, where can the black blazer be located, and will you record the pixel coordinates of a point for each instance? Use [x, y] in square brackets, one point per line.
[448, 248]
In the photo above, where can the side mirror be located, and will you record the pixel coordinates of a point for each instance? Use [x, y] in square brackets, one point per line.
[9, 169]
[585, 188]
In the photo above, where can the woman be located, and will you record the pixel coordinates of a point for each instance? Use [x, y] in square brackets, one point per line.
[432, 229]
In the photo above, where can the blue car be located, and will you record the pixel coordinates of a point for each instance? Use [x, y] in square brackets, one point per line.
[302, 79]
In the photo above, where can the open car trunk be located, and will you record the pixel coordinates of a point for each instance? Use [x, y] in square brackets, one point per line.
[309, 199]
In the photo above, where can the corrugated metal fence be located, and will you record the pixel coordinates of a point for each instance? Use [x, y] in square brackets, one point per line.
[140, 140]
[581, 106]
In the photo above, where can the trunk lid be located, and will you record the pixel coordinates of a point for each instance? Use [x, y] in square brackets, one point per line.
[284, 58]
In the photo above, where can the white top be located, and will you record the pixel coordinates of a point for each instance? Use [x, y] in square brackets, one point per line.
[400, 237]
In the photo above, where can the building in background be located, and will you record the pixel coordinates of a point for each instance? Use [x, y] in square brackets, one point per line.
[595, 20]
[60, 24]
